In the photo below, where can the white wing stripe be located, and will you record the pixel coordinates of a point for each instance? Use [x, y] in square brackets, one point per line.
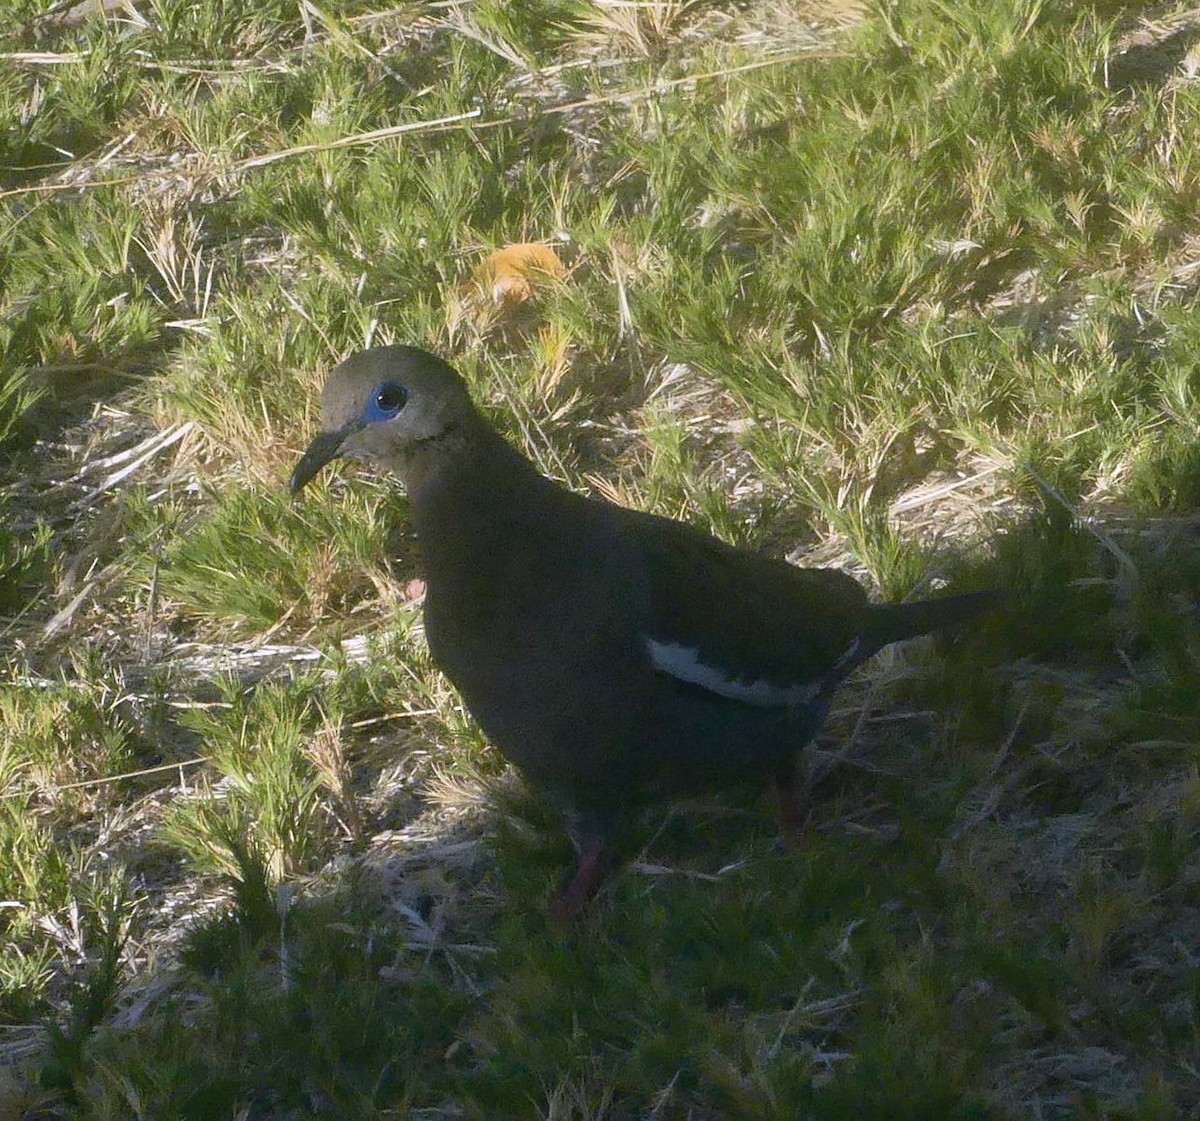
[683, 663]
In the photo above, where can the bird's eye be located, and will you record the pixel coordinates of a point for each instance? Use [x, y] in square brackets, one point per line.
[387, 400]
[390, 398]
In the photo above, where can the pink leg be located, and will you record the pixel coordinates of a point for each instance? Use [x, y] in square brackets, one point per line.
[594, 866]
[791, 820]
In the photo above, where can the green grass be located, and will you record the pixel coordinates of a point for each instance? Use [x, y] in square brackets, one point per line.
[915, 296]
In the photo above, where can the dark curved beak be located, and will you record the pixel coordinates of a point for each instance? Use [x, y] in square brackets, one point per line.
[326, 446]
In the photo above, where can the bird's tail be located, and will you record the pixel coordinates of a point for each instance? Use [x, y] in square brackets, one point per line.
[894, 622]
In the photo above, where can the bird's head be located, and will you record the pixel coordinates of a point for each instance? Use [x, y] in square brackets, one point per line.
[386, 406]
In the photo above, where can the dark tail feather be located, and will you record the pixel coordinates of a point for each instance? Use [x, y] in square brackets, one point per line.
[894, 622]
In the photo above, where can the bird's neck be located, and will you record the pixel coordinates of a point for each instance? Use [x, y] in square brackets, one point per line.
[468, 485]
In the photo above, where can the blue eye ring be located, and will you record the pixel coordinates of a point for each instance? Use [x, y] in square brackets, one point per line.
[386, 401]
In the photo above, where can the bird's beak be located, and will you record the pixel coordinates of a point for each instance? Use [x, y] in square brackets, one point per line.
[326, 446]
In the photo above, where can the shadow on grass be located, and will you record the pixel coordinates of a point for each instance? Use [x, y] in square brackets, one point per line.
[977, 921]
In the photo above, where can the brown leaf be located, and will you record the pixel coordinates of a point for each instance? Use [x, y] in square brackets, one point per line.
[510, 275]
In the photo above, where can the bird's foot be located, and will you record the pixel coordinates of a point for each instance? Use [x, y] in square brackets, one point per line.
[594, 866]
[792, 819]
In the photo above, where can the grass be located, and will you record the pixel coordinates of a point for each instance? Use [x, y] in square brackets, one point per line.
[909, 290]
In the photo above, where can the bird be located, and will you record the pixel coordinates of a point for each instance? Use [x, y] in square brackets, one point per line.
[612, 655]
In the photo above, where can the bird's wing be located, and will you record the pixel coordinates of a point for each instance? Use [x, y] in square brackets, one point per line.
[742, 625]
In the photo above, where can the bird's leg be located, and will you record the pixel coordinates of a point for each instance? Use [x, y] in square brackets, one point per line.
[594, 865]
[790, 820]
